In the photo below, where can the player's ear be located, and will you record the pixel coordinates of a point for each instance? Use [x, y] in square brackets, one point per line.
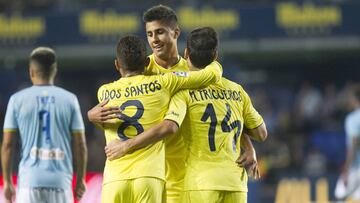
[31, 70]
[54, 72]
[147, 61]
[117, 65]
[177, 32]
[216, 55]
[186, 53]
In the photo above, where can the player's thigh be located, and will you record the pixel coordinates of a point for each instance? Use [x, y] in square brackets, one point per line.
[202, 196]
[148, 190]
[116, 192]
[44, 195]
[175, 172]
[235, 197]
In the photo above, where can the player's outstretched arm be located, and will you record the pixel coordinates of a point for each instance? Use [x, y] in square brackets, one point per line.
[100, 114]
[7, 157]
[116, 148]
[259, 133]
[248, 159]
[194, 79]
[80, 156]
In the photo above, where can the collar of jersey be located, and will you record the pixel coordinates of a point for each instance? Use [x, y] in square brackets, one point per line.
[171, 67]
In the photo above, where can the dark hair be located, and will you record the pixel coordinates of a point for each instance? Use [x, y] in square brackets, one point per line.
[356, 92]
[202, 46]
[161, 13]
[45, 58]
[131, 53]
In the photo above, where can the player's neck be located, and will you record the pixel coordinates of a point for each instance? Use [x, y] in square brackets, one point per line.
[357, 106]
[193, 68]
[127, 74]
[38, 81]
[169, 62]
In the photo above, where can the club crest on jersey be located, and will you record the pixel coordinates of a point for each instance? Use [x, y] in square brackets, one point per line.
[181, 74]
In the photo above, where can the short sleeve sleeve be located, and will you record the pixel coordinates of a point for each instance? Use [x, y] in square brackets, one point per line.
[77, 123]
[177, 108]
[352, 126]
[176, 81]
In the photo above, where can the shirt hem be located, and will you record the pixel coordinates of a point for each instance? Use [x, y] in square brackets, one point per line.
[10, 130]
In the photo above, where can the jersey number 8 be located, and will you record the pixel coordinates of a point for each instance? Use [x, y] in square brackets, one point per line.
[131, 120]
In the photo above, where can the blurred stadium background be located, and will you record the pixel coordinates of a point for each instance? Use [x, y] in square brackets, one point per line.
[297, 60]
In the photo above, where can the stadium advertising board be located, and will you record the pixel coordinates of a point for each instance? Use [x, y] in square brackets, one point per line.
[281, 20]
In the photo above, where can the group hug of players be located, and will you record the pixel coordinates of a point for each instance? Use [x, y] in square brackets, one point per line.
[175, 129]
[173, 125]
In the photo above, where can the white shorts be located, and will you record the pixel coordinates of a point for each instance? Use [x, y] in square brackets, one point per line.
[352, 189]
[44, 195]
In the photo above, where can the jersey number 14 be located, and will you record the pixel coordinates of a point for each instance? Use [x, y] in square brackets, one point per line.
[225, 127]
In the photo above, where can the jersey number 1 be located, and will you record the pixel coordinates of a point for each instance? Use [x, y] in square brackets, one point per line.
[225, 127]
[45, 124]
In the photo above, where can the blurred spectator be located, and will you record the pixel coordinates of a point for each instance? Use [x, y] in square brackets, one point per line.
[328, 108]
[307, 106]
[315, 163]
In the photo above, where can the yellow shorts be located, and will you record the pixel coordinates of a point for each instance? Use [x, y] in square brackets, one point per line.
[175, 172]
[214, 196]
[139, 190]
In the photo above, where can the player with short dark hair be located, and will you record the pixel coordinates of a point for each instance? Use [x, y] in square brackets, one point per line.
[161, 13]
[202, 46]
[44, 61]
[51, 130]
[131, 53]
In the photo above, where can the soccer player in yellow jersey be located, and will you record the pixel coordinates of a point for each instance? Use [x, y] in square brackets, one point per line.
[214, 118]
[143, 101]
[162, 32]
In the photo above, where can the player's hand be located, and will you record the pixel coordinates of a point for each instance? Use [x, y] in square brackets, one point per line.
[9, 193]
[248, 161]
[344, 176]
[102, 114]
[79, 189]
[253, 171]
[116, 149]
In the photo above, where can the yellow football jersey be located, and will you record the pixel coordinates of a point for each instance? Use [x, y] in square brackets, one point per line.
[155, 69]
[144, 101]
[214, 118]
[174, 145]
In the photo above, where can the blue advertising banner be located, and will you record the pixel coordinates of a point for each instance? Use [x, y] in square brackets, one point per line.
[282, 20]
